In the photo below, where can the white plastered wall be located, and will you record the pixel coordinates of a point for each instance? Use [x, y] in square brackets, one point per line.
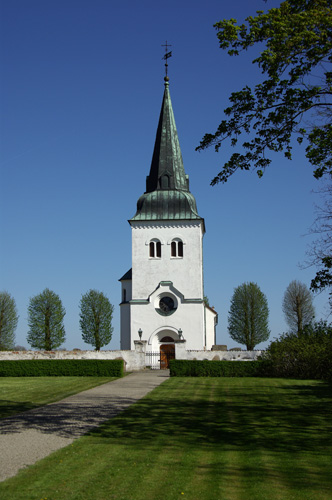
[188, 316]
[210, 328]
[185, 273]
[178, 277]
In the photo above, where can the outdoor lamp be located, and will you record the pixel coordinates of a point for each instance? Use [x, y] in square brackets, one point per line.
[140, 331]
[180, 333]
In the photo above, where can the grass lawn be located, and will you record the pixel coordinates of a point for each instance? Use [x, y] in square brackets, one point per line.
[198, 439]
[19, 394]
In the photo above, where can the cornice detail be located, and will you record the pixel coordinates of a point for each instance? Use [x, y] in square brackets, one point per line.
[162, 225]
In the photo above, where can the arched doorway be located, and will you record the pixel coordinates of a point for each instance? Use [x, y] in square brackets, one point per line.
[167, 352]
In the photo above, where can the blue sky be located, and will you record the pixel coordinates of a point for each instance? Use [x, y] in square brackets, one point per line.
[81, 90]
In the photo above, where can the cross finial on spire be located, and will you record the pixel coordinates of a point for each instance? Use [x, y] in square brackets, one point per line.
[165, 57]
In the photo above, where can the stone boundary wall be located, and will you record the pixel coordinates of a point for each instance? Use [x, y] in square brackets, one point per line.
[223, 355]
[182, 353]
[133, 360]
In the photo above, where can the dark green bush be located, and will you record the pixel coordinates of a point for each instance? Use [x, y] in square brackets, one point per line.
[308, 356]
[194, 368]
[62, 367]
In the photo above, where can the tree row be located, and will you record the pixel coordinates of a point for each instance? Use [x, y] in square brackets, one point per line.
[247, 319]
[45, 319]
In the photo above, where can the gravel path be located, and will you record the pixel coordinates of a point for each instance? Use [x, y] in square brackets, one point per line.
[32, 435]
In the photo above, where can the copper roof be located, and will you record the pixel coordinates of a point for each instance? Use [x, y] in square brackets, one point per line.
[167, 195]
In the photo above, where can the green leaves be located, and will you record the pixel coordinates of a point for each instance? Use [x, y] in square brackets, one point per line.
[96, 319]
[308, 356]
[45, 320]
[8, 321]
[297, 62]
[323, 278]
[319, 151]
[248, 316]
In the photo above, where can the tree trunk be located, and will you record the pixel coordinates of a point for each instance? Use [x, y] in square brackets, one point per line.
[48, 343]
[299, 317]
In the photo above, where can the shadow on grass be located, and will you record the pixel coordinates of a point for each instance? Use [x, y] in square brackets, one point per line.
[319, 391]
[74, 416]
[291, 417]
[8, 408]
[297, 419]
[252, 478]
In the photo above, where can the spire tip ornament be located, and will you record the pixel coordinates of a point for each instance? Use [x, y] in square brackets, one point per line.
[167, 55]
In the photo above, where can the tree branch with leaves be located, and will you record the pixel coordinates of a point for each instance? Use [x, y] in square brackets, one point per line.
[297, 64]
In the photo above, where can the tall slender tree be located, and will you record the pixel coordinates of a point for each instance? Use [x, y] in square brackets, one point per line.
[8, 321]
[45, 320]
[248, 316]
[298, 307]
[96, 319]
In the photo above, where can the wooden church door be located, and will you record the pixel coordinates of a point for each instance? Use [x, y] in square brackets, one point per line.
[167, 352]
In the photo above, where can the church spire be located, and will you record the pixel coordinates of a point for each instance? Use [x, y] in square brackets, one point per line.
[167, 171]
[167, 195]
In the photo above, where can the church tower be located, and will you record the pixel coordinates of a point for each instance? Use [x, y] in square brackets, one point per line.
[162, 295]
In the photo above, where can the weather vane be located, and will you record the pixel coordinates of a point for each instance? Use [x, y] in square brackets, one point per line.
[167, 56]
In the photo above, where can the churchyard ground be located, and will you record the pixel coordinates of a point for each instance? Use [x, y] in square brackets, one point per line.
[19, 394]
[198, 439]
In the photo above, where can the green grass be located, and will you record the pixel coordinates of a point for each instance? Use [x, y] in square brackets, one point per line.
[19, 394]
[198, 439]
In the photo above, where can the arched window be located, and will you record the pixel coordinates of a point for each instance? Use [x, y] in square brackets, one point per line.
[177, 248]
[155, 249]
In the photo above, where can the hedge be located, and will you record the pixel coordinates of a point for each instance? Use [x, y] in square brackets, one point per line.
[194, 368]
[62, 367]
[308, 356]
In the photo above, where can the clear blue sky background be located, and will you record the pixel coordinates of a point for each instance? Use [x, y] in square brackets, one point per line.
[81, 90]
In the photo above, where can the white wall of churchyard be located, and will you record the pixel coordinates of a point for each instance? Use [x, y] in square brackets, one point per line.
[182, 353]
[133, 360]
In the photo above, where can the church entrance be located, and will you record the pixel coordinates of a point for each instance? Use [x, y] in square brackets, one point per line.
[163, 346]
[167, 352]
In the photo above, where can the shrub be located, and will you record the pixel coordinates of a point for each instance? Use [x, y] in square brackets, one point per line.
[62, 367]
[194, 368]
[308, 356]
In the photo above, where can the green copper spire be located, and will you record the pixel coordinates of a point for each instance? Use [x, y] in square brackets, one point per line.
[167, 170]
[167, 195]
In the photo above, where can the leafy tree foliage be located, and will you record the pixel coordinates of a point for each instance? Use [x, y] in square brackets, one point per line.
[308, 356]
[323, 278]
[248, 316]
[296, 63]
[96, 319]
[45, 320]
[297, 306]
[8, 321]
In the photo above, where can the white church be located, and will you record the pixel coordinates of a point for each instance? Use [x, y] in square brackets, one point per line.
[162, 295]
